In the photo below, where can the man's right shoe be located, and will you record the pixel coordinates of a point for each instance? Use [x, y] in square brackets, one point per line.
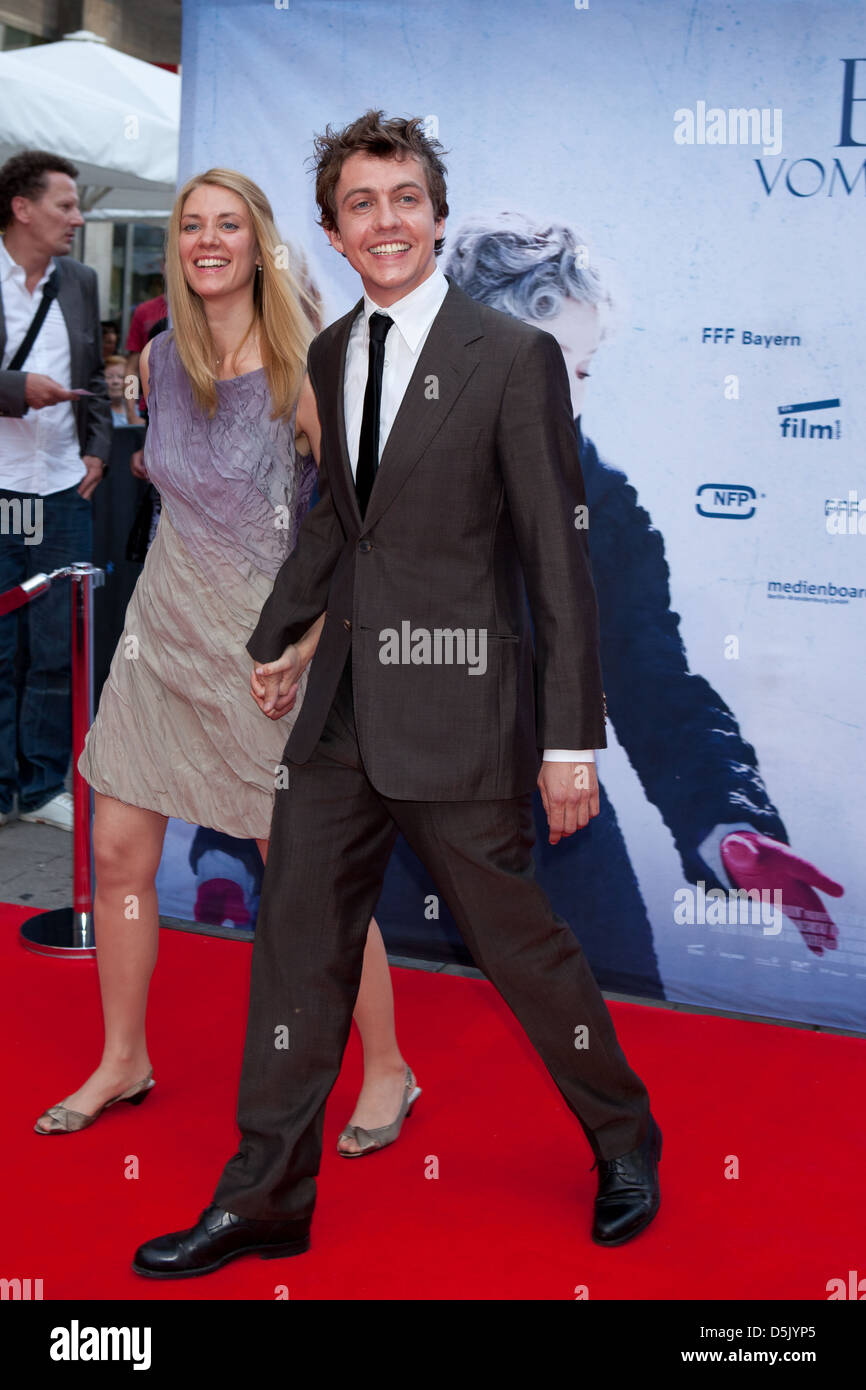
[217, 1237]
[628, 1191]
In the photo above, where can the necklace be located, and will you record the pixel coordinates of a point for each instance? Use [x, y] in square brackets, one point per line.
[220, 360]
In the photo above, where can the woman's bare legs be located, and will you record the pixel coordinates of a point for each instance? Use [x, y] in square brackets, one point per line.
[127, 846]
[384, 1068]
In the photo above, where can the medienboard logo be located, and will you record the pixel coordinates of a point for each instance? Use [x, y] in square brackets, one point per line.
[801, 591]
[795, 425]
[728, 501]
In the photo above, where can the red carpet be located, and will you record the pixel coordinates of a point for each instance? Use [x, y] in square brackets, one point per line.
[508, 1216]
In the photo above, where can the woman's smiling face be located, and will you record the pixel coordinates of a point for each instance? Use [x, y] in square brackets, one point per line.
[217, 244]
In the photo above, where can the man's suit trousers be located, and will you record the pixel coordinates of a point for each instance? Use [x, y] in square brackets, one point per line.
[331, 838]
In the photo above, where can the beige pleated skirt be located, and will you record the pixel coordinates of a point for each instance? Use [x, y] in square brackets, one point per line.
[177, 730]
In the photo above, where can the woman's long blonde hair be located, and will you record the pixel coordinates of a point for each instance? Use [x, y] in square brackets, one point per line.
[285, 307]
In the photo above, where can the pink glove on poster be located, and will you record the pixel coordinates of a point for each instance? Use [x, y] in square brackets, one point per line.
[755, 861]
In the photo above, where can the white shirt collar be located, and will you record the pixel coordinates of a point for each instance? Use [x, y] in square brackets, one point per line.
[414, 313]
[11, 270]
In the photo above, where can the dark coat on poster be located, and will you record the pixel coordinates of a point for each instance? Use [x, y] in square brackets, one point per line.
[680, 736]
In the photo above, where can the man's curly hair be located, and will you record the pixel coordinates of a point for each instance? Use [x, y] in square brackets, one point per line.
[373, 134]
[23, 176]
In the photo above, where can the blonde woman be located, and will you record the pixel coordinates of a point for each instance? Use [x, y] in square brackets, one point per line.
[231, 449]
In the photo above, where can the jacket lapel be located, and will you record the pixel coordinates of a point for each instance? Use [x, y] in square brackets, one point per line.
[445, 365]
[441, 372]
[334, 373]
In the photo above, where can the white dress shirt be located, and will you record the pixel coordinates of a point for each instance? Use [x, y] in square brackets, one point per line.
[40, 452]
[413, 317]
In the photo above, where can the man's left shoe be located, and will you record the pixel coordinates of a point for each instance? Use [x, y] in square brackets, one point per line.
[628, 1191]
[217, 1237]
[56, 812]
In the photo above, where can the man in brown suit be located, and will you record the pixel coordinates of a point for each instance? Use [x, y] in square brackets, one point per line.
[450, 488]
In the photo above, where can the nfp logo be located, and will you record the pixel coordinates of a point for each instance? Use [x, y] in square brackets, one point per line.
[733, 501]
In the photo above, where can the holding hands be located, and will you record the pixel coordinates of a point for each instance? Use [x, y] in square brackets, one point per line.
[274, 686]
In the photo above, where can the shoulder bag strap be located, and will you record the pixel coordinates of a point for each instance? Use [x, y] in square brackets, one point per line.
[49, 292]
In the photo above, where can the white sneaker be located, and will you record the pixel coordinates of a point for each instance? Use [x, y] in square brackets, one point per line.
[57, 812]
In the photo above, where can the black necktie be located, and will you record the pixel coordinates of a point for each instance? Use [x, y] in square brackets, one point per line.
[368, 446]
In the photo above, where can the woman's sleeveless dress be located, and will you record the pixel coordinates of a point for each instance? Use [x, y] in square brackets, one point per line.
[177, 730]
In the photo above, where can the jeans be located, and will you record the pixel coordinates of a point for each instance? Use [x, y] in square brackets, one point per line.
[35, 700]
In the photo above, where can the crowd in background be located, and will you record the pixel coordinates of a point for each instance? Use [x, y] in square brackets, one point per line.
[69, 408]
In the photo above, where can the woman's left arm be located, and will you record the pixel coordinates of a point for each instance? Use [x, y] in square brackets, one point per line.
[307, 428]
[274, 685]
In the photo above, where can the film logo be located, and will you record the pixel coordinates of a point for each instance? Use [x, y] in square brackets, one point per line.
[794, 423]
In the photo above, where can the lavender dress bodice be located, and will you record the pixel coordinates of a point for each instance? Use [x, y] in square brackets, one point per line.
[234, 487]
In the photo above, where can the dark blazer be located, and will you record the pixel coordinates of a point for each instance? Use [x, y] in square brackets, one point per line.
[78, 298]
[459, 531]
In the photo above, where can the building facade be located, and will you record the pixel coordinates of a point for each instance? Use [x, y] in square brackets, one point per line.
[127, 256]
[149, 30]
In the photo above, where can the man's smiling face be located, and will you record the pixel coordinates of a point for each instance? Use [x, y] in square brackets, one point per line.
[386, 226]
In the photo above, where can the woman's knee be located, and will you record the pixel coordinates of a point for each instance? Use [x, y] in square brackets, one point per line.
[126, 847]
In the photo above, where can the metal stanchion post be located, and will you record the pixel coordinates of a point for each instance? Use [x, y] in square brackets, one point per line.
[68, 931]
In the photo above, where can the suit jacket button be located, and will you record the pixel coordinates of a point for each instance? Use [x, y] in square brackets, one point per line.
[365, 545]
[347, 625]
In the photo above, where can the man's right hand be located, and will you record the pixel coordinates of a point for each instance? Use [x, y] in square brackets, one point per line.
[570, 795]
[274, 686]
[40, 391]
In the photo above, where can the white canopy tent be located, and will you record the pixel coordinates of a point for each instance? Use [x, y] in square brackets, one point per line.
[115, 117]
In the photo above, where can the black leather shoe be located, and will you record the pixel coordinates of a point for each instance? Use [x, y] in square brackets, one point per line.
[217, 1237]
[628, 1191]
